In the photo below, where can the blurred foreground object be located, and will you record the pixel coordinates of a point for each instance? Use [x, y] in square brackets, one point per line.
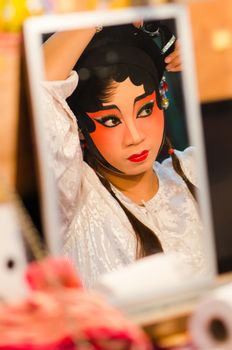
[13, 259]
[211, 322]
[19, 242]
[60, 314]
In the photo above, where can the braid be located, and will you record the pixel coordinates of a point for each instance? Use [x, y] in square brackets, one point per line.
[149, 242]
[177, 167]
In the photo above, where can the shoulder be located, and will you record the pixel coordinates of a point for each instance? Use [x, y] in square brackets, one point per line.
[58, 117]
[61, 88]
[188, 163]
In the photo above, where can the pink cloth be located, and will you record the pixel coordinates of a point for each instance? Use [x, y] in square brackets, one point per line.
[60, 315]
[65, 344]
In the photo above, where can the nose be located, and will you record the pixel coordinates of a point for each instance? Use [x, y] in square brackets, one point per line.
[133, 135]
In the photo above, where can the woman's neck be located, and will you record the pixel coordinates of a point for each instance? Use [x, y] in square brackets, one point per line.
[138, 188]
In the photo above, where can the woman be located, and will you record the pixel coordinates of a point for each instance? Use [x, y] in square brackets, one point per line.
[117, 204]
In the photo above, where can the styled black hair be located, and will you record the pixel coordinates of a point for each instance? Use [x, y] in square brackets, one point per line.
[115, 54]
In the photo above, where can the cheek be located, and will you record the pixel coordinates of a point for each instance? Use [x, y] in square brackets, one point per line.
[105, 139]
[154, 126]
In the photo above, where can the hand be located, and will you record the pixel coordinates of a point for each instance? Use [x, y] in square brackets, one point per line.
[173, 60]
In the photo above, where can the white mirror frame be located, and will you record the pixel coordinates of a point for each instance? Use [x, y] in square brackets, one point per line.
[33, 30]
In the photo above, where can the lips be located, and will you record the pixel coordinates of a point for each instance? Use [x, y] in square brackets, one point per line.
[139, 157]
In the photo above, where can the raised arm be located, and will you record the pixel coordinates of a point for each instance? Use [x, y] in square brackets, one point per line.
[62, 50]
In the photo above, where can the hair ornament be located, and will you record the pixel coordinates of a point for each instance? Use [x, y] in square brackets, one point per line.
[168, 45]
[151, 31]
[163, 90]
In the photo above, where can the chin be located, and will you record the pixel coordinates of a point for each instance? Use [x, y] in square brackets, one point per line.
[138, 169]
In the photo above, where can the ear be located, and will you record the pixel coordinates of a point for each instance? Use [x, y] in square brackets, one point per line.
[13, 261]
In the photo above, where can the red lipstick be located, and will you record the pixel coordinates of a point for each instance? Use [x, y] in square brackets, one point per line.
[138, 157]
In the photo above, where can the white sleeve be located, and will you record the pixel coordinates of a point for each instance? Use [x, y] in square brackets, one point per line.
[188, 163]
[63, 142]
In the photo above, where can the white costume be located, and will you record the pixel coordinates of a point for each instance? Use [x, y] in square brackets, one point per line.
[98, 236]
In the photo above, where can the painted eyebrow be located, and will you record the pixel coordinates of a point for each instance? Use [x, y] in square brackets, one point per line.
[109, 107]
[138, 98]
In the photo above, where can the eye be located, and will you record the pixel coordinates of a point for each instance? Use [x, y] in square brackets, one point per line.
[146, 110]
[109, 121]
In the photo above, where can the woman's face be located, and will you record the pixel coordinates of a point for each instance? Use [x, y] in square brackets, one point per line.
[129, 129]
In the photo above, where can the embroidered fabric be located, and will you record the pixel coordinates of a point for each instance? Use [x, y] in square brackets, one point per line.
[98, 237]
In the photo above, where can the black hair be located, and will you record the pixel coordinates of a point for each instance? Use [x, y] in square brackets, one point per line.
[113, 55]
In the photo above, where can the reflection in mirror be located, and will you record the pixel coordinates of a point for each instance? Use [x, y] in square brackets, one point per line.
[116, 116]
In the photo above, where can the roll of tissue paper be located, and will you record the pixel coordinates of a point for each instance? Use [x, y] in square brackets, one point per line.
[211, 324]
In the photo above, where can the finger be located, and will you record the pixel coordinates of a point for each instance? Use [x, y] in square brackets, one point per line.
[178, 68]
[172, 56]
[174, 63]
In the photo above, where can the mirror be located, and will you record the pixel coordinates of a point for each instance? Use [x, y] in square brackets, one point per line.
[109, 214]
